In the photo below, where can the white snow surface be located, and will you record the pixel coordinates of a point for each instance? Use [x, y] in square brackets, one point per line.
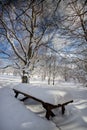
[52, 95]
[15, 116]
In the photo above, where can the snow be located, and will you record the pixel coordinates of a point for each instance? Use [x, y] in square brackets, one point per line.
[16, 115]
[48, 94]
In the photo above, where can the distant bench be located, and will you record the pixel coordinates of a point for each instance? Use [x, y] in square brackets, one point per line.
[48, 106]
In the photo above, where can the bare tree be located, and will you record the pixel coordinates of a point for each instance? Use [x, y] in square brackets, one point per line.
[73, 26]
[24, 34]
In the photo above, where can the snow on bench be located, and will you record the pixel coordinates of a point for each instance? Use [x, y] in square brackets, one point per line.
[15, 116]
[49, 97]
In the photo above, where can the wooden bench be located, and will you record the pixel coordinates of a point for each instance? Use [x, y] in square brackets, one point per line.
[46, 105]
[15, 116]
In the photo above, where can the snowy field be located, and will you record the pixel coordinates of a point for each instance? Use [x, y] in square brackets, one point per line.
[75, 117]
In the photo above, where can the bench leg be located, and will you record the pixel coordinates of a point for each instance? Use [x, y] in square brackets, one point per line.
[49, 113]
[16, 94]
[63, 109]
[23, 99]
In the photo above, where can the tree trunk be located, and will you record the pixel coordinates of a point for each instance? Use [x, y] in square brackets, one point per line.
[25, 77]
[48, 80]
[53, 80]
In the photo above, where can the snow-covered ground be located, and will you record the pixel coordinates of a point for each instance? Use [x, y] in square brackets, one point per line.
[75, 117]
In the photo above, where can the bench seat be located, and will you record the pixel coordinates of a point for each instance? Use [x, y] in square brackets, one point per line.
[50, 98]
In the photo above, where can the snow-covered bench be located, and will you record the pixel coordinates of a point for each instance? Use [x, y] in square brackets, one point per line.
[15, 116]
[50, 98]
